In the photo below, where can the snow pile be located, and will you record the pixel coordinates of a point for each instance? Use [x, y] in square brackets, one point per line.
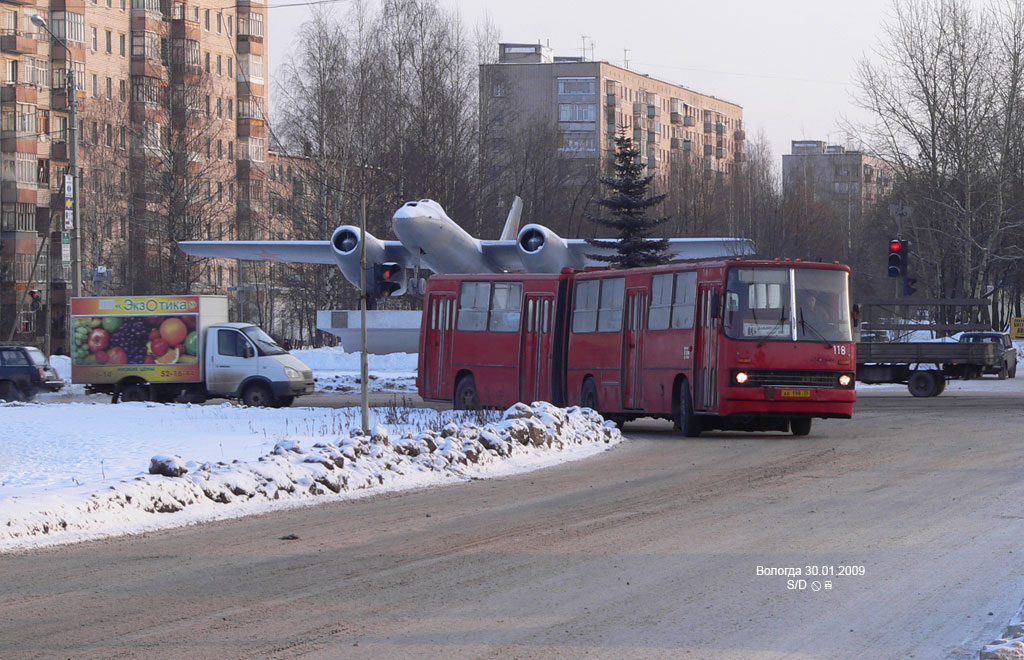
[526, 437]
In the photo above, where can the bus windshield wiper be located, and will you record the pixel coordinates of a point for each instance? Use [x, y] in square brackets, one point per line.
[807, 326]
[771, 333]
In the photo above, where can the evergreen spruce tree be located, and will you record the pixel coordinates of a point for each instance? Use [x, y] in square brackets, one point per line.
[628, 202]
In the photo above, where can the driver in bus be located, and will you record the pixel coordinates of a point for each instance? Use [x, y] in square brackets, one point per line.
[811, 312]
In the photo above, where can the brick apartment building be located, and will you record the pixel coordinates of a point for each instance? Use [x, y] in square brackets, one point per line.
[171, 100]
[587, 102]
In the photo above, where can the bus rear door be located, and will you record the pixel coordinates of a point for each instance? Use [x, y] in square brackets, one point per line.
[535, 356]
[705, 395]
[636, 303]
[438, 379]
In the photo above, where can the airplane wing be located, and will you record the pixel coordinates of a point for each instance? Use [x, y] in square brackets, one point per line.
[307, 252]
[679, 248]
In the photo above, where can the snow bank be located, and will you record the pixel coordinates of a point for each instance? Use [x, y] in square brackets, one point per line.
[334, 358]
[526, 437]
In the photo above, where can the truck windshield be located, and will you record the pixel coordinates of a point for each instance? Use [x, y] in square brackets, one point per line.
[787, 304]
[264, 344]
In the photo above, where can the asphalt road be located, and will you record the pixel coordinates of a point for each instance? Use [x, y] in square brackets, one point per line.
[650, 550]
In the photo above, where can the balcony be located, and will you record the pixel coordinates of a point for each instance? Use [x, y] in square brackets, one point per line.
[719, 152]
[15, 191]
[708, 150]
[19, 43]
[719, 128]
[18, 93]
[676, 118]
[740, 135]
[739, 156]
[707, 127]
[689, 121]
[59, 151]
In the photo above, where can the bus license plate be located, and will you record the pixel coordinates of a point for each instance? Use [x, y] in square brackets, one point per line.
[795, 394]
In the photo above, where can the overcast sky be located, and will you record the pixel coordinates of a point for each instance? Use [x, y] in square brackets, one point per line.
[789, 63]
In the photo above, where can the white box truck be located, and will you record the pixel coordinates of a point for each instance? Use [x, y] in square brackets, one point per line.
[179, 348]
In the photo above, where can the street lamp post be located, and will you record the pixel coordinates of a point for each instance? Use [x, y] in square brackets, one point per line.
[76, 235]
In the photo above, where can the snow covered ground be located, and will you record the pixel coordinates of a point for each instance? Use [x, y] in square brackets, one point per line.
[74, 471]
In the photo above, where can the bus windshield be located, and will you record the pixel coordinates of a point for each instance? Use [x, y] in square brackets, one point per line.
[788, 304]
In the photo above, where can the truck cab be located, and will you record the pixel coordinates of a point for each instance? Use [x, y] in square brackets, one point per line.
[242, 361]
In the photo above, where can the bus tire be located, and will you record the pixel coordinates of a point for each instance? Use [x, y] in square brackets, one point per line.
[466, 397]
[134, 392]
[800, 425]
[257, 395]
[588, 395]
[922, 383]
[686, 420]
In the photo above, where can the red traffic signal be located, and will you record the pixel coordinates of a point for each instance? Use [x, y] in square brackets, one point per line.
[36, 297]
[389, 279]
[898, 249]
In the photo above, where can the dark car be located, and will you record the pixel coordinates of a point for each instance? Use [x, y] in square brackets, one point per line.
[24, 371]
[1008, 365]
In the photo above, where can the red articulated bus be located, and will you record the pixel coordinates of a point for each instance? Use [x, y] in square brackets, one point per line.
[741, 344]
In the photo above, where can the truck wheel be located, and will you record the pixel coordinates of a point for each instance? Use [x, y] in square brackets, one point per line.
[686, 420]
[800, 425]
[134, 392]
[1004, 371]
[257, 395]
[9, 391]
[922, 383]
[466, 397]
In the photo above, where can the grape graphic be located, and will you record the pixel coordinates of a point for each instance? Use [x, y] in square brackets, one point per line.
[132, 336]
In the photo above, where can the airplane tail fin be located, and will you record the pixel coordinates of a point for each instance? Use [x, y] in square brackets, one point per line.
[511, 229]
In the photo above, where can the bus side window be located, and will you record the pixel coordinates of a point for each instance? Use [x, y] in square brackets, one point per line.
[474, 299]
[661, 302]
[684, 300]
[506, 307]
[609, 314]
[584, 306]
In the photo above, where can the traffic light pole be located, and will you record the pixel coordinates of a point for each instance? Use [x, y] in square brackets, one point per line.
[364, 366]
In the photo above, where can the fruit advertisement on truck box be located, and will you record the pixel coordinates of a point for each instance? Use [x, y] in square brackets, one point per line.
[153, 337]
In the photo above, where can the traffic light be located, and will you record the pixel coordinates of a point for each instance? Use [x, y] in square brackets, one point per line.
[36, 298]
[389, 279]
[898, 253]
[908, 286]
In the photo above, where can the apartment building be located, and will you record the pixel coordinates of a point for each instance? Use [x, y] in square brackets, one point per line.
[171, 102]
[848, 181]
[586, 103]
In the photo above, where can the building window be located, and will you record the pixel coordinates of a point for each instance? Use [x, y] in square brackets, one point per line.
[230, 68]
[577, 86]
[577, 112]
[231, 113]
[109, 41]
[220, 108]
[122, 37]
[95, 42]
[219, 20]
[110, 88]
[122, 89]
[207, 62]
[207, 20]
[250, 67]
[146, 45]
[220, 149]
[18, 217]
[578, 141]
[69, 25]
[220, 59]
[250, 25]
[95, 85]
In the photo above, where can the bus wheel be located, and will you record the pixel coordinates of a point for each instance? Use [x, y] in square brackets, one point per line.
[466, 397]
[134, 392]
[800, 425]
[588, 397]
[686, 419]
[922, 383]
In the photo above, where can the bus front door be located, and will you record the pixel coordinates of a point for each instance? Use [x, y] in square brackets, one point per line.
[705, 390]
[438, 380]
[636, 302]
[534, 357]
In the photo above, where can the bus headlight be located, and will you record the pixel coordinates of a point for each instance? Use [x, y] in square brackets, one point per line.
[845, 380]
[742, 377]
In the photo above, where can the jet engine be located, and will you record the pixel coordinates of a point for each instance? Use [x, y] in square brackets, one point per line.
[544, 251]
[345, 243]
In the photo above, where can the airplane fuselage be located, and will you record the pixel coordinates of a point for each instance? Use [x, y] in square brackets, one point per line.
[436, 240]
